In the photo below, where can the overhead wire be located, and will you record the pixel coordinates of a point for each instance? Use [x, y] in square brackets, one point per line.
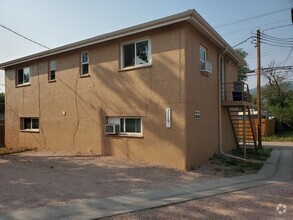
[267, 48]
[276, 51]
[277, 38]
[288, 56]
[277, 42]
[274, 45]
[274, 41]
[250, 28]
[277, 69]
[277, 27]
[20, 35]
[266, 54]
[247, 19]
[243, 41]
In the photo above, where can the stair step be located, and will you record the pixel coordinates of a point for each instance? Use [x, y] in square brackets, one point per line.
[241, 122]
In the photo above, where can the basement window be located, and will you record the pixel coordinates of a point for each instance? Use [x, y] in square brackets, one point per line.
[52, 70]
[84, 63]
[127, 125]
[29, 124]
[23, 76]
[136, 53]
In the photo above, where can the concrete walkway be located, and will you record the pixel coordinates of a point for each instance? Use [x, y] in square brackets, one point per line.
[276, 168]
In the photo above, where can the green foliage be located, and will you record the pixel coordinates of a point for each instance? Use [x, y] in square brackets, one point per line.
[285, 136]
[277, 97]
[262, 154]
[2, 103]
[242, 70]
[235, 167]
[278, 100]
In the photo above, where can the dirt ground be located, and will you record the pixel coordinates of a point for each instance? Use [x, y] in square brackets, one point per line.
[255, 203]
[32, 179]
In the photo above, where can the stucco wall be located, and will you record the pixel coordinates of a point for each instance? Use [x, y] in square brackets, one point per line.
[88, 101]
[202, 93]
[173, 81]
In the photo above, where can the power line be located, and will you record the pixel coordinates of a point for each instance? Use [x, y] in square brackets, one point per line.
[24, 37]
[281, 43]
[280, 50]
[267, 54]
[277, 27]
[243, 41]
[255, 27]
[247, 19]
[277, 38]
[273, 68]
[268, 49]
[275, 45]
[288, 56]
[275, 41]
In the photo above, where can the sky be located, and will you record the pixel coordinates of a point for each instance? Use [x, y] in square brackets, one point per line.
[55, 23]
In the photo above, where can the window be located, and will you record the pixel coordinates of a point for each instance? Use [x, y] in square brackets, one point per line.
[202, 54]
[23, 76]
[52, 70]
[29, 124]
[128, 125]
[135, 54]
[84, 63]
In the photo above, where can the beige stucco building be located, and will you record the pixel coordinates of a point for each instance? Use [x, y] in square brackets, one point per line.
[152, 80]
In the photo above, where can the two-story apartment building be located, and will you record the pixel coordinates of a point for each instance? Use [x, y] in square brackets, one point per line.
[150, 85]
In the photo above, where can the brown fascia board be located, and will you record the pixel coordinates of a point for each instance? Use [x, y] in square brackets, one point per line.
[190, 16]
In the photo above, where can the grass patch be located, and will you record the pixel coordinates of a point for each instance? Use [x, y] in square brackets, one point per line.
[6, 151]
[235, 167]
[261, 154]
[285, 137]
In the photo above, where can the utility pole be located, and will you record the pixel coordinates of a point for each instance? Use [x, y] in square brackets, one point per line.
[258, 90]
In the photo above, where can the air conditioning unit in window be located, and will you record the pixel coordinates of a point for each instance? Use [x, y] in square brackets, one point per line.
[111, 128]
[206, 67]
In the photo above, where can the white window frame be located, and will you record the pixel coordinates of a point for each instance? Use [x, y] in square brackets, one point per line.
[52, 69]
[84, 63]
[203, 49]
[135, 64]
[116, 120]
[23, 69]
[31, 129]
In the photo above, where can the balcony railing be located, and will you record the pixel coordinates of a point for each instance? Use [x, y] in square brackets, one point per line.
[235, 91]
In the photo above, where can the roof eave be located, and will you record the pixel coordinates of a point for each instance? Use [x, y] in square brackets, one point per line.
[200, 24]
[102, 38]
[191, 16]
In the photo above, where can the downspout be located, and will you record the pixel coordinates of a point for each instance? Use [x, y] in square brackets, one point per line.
[220, 114]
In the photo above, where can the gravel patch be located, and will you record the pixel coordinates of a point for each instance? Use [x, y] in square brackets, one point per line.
[34, 179]
[254, 203]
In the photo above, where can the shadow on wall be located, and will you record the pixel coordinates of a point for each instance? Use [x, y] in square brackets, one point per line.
[142, 92]
[146, 92]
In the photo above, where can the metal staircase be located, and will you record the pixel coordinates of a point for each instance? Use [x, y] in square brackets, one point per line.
[242, 125]
[236, 98]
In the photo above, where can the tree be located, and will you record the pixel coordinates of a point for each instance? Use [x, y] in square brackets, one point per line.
[242, 70]
[277, 96]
